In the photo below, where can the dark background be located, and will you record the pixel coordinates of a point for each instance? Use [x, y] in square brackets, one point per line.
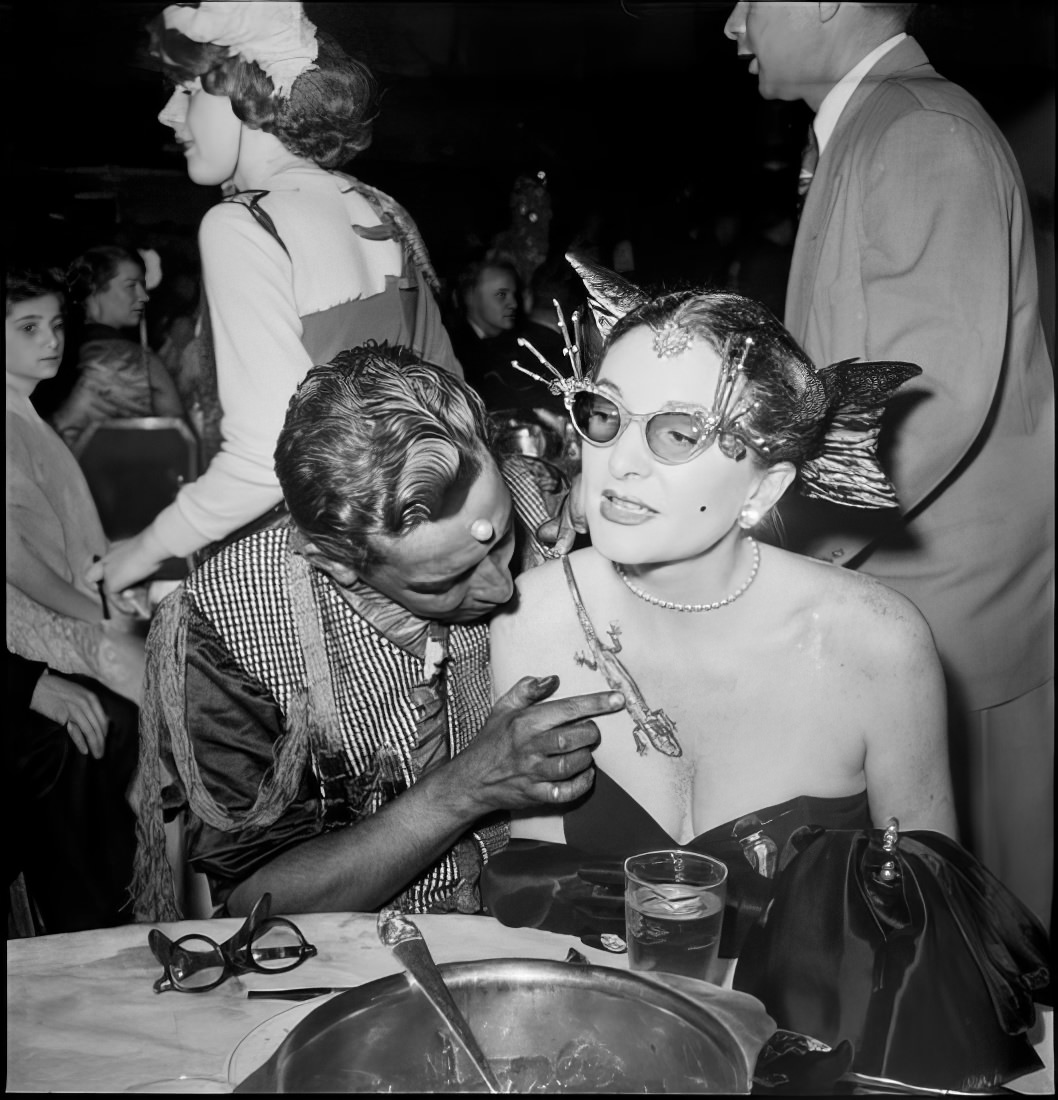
[646, 124]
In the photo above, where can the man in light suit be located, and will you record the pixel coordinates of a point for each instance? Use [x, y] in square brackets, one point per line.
[915, 243]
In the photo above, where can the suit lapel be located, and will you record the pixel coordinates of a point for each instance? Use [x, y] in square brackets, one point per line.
[826, 188]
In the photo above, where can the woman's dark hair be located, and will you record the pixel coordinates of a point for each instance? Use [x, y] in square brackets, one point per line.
[782, 410]
[95, 267]
[24, 284]
[328, 116]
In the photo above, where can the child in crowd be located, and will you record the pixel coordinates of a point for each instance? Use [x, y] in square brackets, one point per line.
[71, 743]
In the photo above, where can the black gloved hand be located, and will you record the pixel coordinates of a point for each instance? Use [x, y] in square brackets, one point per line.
[536, 884]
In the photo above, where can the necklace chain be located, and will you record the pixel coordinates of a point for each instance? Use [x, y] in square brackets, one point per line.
[670, 606]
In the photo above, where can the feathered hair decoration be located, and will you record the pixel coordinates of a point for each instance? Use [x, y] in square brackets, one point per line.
[846, 399]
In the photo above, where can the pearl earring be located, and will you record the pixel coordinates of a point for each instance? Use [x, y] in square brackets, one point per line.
[748, 517]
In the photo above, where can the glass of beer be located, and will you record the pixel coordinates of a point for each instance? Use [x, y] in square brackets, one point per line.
[674, 907]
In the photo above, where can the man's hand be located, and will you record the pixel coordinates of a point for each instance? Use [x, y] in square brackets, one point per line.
[531, 752]
[75, 707]
[560, 531]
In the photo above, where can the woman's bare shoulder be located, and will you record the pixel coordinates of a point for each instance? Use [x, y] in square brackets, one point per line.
[550, 576]
[542, 592]
[863, 611]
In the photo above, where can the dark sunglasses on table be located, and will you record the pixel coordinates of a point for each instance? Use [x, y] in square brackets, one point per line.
[674, 435]
[264, 944]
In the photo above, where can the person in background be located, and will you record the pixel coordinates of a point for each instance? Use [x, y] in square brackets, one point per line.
[553, 281]
[299, 262]
[331, 725]
[71, 740]
[485, 329]
[915, 242]
[118, 376]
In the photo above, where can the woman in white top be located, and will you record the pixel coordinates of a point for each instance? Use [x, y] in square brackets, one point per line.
[300, 262]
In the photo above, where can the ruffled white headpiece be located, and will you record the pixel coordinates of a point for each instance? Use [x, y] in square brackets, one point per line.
[274, 33]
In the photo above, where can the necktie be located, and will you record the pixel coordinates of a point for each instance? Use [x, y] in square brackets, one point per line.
[809, 160]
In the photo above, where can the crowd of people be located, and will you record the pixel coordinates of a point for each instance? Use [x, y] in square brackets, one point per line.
[813, 582]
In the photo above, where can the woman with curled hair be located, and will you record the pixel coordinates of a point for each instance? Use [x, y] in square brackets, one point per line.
[299, 262]
[118, 376]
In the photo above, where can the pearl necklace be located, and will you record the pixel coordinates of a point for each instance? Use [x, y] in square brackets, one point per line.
[669, 605]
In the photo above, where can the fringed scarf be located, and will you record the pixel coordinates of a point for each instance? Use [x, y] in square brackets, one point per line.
[311, 714]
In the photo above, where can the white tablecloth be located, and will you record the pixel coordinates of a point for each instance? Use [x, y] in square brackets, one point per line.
[82, 1016]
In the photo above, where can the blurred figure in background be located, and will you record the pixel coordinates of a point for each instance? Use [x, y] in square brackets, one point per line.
[75, 671]
[525, 241]
[485, 328]
[118, 375]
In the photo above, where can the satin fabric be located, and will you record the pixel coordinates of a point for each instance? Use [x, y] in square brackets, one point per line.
[932, 976]
[578, 888]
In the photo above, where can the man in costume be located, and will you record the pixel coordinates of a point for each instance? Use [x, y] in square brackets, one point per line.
[915, 243]
[320, 690]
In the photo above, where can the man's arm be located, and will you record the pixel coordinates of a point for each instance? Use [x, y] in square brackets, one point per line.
[530, 752]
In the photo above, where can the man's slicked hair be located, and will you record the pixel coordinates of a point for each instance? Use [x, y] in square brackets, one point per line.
[372, 445]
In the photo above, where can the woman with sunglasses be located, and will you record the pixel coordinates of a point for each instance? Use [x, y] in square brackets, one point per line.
[764, 690]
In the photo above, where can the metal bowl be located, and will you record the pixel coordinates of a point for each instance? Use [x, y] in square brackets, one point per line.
[544, 1026]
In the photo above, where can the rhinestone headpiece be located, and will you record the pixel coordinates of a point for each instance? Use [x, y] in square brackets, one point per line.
[728, 411]
[847, 399]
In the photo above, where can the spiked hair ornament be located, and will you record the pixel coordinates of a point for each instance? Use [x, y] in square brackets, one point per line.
[768, 396]
[274, 33]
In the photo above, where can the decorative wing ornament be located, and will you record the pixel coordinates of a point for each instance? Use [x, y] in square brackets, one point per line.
[845, 468]
[847, 399]
[609, 296]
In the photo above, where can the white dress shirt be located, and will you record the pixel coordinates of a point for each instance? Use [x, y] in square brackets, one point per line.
[834, 101]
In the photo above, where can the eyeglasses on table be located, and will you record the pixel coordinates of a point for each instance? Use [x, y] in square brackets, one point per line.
[197, 964]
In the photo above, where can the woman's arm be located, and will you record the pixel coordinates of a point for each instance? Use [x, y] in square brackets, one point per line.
[42, 584]
[106, 651]
[906, 763]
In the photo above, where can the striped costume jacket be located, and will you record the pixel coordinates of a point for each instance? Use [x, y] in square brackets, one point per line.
[230, 671]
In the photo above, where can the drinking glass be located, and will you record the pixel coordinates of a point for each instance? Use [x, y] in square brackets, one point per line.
[674, 907]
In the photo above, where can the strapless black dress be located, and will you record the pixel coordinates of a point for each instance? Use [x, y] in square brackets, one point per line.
[608, 823]
[576, 887]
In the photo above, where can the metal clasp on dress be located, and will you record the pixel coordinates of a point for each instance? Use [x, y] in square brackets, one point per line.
[888, 873]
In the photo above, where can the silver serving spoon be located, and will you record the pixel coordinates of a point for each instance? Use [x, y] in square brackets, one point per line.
[405, 940]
